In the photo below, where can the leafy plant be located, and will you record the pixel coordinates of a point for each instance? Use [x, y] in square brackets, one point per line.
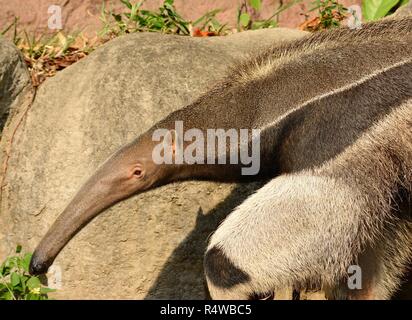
[209, 23]
[165, 20]
[15, 281]
[12, 26]
[45, 54]
[245, 12]
[330, 15]
[377, 9]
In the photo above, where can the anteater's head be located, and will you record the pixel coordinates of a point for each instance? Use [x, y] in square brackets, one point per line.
[129, 171]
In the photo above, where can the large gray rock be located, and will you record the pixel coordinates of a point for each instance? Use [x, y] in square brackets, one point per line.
[14, 78]
[152, 245]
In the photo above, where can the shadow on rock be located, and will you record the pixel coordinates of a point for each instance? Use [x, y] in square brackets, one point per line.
[182, 275]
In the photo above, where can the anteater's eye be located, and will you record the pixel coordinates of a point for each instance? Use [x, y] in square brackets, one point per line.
[137, 172]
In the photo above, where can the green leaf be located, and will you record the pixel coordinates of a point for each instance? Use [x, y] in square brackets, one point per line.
[244, 19]
[6, 296]
[256, 4]
[18, 248]
[133, 12]
[33, 283]
[206, 17]
[126, 3]
[403, 2]
[46, 290]
[9, 264]
[117, 17]
[15, 279]
[23, 280]
[264, 24]
[32, 296]
[3, 288]
[376, 9]
[26, 262]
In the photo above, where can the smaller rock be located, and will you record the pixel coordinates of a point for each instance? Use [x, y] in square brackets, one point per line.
[14, 77]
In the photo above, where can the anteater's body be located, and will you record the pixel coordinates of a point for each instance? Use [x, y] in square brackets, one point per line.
[335, 112]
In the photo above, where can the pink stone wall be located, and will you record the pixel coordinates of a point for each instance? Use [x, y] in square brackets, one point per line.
[84, 14]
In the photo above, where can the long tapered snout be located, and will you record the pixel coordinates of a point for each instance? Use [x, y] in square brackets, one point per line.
[78, 213]
[124, 174]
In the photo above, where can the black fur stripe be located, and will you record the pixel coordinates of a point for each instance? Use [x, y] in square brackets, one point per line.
[221, 271]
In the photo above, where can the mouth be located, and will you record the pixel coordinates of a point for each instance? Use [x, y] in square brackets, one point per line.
[38, 267]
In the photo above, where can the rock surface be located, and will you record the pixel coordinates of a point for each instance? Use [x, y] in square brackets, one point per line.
[152, 245]
[14, 77]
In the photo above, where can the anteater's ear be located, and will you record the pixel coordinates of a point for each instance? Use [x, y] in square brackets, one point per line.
[173, 145]
[169, 150]
[177, 145]
[172, 140]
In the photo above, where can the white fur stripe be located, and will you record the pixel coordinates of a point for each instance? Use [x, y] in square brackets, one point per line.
[336, 91]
